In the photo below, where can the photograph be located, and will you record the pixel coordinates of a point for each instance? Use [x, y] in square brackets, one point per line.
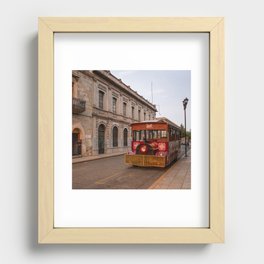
[131, 129]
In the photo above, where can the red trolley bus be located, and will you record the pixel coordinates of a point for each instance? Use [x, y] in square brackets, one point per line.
[155, 143]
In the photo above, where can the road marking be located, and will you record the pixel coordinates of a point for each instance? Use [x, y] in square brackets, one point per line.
[103, 181]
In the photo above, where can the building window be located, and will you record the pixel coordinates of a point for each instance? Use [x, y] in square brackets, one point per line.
[133, 112]
[149, 117]
[124, 109]
[114, 105]
[101, 99]
[75, 86]
[144, 116]
[115, 136]
[139, 119]
[125, 137]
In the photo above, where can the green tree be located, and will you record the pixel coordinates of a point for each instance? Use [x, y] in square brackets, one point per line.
[182, 131]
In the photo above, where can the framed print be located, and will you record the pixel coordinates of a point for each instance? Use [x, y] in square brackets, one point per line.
[131, 130]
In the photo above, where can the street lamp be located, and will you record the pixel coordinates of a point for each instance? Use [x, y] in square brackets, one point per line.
[185, 102]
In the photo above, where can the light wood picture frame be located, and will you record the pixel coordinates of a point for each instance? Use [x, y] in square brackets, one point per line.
[47, 233]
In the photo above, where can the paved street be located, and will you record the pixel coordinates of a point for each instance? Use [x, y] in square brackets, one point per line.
[177, 177]
[112, 173]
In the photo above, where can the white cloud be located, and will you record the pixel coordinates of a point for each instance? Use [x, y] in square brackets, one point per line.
[123, 73]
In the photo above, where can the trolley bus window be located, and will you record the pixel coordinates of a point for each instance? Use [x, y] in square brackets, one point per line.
[149, 134]
[163, 134]
[172, 134]
[155, 134]
[178, 135]
[136, 135]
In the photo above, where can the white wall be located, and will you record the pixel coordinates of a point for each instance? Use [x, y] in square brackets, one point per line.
[244, 158]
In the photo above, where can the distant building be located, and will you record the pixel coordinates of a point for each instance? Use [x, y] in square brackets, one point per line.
[102, 109]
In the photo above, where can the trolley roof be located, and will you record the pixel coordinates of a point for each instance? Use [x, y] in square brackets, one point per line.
[158, 120]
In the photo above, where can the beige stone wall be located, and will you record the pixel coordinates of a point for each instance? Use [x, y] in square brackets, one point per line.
[83, 121]
[109, 125]
[88, 87]
[85, 124]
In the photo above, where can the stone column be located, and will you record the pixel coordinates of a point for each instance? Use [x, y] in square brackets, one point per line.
[106, 100]
[120, 105]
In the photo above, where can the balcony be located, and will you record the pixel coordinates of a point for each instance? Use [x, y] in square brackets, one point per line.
[78, 105]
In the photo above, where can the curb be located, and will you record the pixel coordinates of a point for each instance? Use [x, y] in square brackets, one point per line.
[153, 186]
[74, 161]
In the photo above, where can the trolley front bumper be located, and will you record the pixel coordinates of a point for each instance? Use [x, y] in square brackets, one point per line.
[145, 160]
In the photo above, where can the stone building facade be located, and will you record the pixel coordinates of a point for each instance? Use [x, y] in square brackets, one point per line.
[103, 108]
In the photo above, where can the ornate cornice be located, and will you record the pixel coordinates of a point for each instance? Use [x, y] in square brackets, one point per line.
[107, 75]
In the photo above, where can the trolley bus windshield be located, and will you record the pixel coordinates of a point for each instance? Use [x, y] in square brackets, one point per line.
[149, 134]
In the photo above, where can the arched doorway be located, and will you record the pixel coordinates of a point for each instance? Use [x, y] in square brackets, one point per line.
[101, 139]
[76, 142]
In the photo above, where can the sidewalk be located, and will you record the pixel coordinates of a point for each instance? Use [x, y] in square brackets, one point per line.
[178, 176]
[101, 156]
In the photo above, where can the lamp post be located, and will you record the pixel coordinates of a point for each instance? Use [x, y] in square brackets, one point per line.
[185, 102]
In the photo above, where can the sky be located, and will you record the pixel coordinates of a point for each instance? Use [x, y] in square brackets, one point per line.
[169, 90]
